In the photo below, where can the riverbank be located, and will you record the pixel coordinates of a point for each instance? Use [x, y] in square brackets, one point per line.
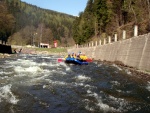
[33, 50]
[143, 75]
[4, 55]
[46, 51]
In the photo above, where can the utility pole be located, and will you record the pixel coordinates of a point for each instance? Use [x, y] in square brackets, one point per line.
[41, 36]
[33, 38]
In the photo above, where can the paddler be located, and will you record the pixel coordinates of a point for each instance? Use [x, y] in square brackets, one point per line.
[78, 56]
[68, 56]
[83, 56]
[73, 55]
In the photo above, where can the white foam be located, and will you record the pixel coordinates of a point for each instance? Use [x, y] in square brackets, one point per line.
[5, 77]
[68, 69]
[32, 69]
[56, 82]
[62, 72]
[52, 64]
[89, 86]
[7, 95]
[47, 57]
[100, 104]
[79, 84]
[115, 83]
[37, 79]
[148, 86]
[83, 78]
[43, 64]
[5, 73]
[1, 72]
[99, 65]
[64, 65]
[122, 103]
[44, 86]
[22, 62]
[117, 67]
[89, 108]
[128, 72]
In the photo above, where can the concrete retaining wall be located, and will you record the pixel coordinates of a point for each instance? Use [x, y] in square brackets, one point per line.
[133, 52]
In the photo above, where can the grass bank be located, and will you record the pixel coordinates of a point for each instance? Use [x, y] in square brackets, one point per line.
[36, 50]
[52, 50]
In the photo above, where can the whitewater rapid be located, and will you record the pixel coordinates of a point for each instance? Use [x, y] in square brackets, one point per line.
[38, 83]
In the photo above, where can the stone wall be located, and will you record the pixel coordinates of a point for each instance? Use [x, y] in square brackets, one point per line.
[133, 52]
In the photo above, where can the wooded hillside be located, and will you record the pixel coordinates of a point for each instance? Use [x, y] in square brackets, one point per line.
[30, 25]
[26, 24]
[103, 18]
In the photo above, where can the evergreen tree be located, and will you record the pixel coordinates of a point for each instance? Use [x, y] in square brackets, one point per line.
[83, 27]
[101, 14]
[88, 22]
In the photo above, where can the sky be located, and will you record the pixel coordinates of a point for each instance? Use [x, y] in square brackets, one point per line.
[71, 7]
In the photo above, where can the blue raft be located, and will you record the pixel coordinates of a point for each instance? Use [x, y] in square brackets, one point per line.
[75, 61]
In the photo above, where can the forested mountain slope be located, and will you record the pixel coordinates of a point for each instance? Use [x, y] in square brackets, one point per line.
[30, 25]
[26, 24]
[103, 18]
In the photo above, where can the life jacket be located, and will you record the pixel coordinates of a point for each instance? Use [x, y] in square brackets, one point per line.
[84, 57]
[67, 56]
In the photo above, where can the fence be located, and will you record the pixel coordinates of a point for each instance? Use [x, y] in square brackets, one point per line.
[133, 52]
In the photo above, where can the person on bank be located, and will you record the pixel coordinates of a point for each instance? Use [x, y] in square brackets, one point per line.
[20, 50]
[15, 51]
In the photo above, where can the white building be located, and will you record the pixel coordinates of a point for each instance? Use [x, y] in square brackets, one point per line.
[44, 45]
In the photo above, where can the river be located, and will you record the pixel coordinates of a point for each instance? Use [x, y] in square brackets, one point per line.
[40, 84]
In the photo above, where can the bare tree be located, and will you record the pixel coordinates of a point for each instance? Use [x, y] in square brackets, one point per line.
[131, 7]
[148, 2]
